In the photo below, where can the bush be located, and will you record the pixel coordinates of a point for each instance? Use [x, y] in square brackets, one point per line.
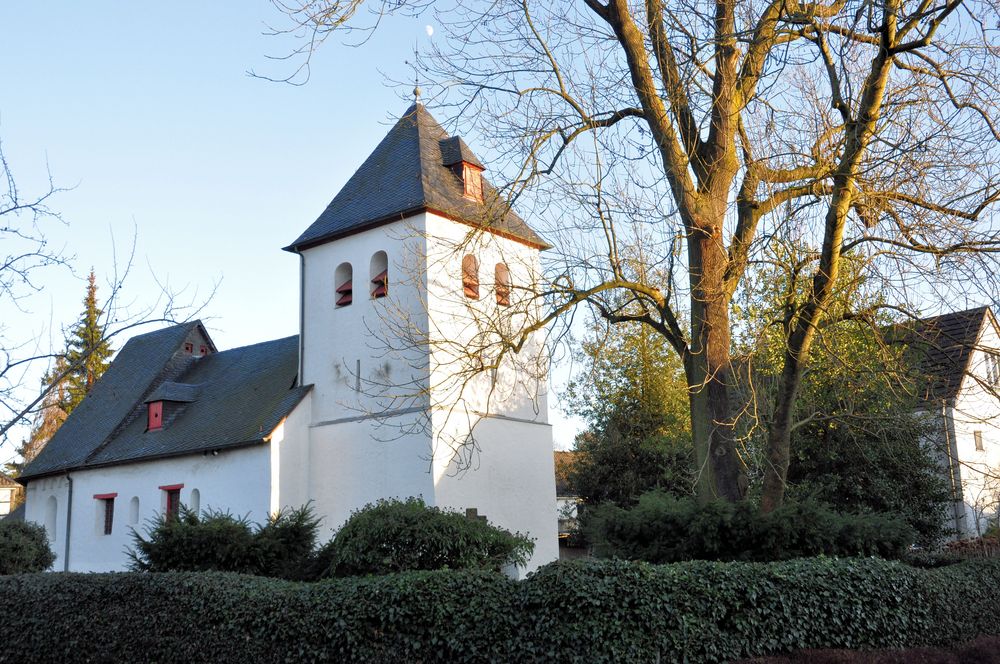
[218, 541]
[395, 536]
[579, 611]
[663, 529]
[24, 547]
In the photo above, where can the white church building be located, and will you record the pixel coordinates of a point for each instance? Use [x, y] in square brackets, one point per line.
[408, 378]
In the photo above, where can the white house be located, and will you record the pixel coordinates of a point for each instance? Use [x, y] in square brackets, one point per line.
[960, 355]
[399, 383]
[8, 493]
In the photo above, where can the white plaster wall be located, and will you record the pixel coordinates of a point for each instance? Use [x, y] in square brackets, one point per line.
[356, 463]
[37, 494]
[236, 480]
[978, 409]
[335, 339]
[290, 458]
[511, 482]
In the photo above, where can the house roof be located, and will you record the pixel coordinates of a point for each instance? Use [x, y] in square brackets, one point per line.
[8, 481]
[942, 347]
[406, 174]
[243, 394]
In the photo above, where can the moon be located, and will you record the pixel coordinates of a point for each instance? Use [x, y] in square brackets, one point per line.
[429, 29]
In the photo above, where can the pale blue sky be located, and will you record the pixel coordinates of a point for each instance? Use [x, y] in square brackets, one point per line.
[147, 110]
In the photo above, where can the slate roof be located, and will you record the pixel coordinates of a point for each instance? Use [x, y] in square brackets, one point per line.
[243, 394]
[407, 174]
[942, 346]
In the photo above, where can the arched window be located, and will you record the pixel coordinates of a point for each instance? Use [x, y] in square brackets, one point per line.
[379, 275]
[470, 276]
[133, 511]
[195, 501]
[343, 278]
[50, 517]
[502, 285]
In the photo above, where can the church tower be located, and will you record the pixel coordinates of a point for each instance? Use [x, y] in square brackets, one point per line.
[416, 289]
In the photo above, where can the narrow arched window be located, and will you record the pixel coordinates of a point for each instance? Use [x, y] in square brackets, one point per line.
[133, 510]
[51, 511]
[194, 503]
[470, 276]
[344, 280]
[502, 285]
[379, 275]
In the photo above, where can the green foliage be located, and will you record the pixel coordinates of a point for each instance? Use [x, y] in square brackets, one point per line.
[218, 541]
[24, 547]
[580, 611]
[634, 397]
[662, 529]
[394, 536]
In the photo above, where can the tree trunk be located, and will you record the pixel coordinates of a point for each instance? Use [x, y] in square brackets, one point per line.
[720, 471]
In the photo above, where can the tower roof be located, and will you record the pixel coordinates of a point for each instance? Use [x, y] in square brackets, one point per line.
[409, 173]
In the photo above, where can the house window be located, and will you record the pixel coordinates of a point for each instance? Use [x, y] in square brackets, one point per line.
[188, 347]
[473, 180]
[993, 368]
[107, 511]
[379, 275]
[203, 350]
[344, 278]
[133, 510]
[172, 500]
[470, 276]
[5, 500]
[502, 285]
[155, 416]
[978, 436]
[51, 509]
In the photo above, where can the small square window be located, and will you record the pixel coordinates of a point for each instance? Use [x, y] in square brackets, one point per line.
[188, 347]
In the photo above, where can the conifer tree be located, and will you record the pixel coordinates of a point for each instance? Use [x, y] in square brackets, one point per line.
[88, 353]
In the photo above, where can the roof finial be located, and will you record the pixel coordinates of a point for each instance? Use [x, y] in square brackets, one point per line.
[416, 74]
[416, 94]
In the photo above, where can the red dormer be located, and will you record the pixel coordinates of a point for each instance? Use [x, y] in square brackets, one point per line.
[155, 420]
[456, 155]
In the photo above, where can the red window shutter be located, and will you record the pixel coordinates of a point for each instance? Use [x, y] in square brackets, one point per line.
[155, 416]
[380, 284]
[470, 277]
[345, 293]
[502, 285]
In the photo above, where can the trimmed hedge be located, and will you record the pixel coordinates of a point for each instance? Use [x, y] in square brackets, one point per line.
[662, 528]
[580, 611]
[24, 547]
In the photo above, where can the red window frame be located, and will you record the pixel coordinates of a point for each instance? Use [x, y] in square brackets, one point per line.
[109, 510]
[155, 420]
[173, 500]
[188, 347]
[204, 350]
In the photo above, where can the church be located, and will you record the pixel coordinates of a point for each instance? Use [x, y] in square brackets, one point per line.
[415, 373]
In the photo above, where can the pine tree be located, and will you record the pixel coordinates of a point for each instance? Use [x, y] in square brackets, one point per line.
[88, 353]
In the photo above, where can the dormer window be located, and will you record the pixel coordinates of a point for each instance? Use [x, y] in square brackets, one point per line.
[188, 347]
[472, 179]
[457, 156]
[155, 413]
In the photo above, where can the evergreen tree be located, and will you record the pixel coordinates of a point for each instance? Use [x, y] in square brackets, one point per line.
[88, 353]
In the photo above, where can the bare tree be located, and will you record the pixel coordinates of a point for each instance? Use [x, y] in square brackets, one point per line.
[665, 145]
[26, 224]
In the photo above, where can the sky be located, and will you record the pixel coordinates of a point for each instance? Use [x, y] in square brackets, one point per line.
[146, 113]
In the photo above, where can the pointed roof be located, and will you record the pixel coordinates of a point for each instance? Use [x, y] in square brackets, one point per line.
[407, 174]
[942, 348]
[226, 399]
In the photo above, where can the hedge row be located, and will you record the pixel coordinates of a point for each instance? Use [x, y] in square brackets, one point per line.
[581, 611]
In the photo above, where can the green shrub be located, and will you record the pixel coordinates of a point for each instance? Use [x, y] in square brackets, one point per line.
[395, 536]
[218, 541]
[24, 547]
[662, 528]
[581, 611]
